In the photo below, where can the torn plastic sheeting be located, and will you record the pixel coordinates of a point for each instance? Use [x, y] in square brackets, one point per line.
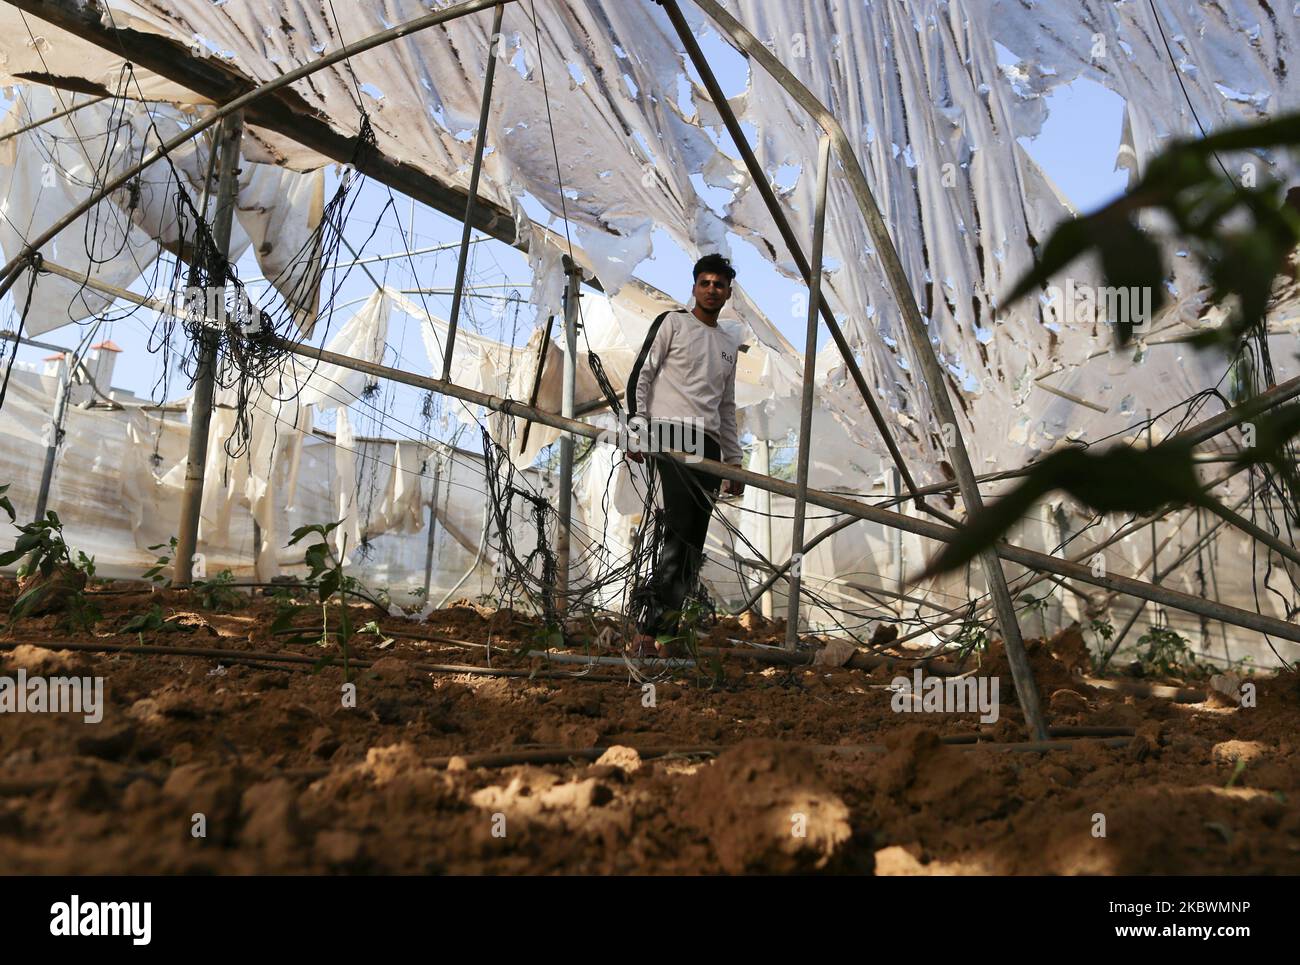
[917, 86]
[44, 174]
[347, 534]
[47, 171]
[281, 212]
[407, 494]
[626, 159]
[363, 338]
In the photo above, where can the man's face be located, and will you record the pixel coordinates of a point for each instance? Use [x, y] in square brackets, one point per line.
[711, 291]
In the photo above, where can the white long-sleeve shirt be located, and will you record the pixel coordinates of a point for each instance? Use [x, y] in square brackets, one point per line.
[686, 371]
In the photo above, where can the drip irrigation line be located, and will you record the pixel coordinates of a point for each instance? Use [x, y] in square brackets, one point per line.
[295, 658]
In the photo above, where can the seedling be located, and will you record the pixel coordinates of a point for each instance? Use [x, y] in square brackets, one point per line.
[1236, 772]
[326, 575]
[1105, 632]
[156, 573]
[218, 594]
[373, 627]
[971, 638]
[692, 616]
[545, 636]
[150, 622]
[50, 576]
[1167, 654]
[1038, 604]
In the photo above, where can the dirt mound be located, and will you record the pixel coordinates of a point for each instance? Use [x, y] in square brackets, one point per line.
[1055, 662]
[765, 807]
[920, 773]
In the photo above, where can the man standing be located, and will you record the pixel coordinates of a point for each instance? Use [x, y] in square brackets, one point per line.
[682, 395]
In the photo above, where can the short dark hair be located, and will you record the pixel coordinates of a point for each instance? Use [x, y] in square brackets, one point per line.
[715, 265]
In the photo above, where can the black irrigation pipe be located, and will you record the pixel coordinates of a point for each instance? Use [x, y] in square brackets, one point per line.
[295, 658]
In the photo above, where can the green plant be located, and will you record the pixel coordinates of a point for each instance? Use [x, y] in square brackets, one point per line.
[971, 638]
[286, 608]
[50, 569]
[1236, 772]
[694, 613]
[156, 573]
[543, 636]
[1037, 604]
[1103, 628]
[1105, 632]
[325, 574]
[151, 622]
[1163, 652]
[373, 626]
[219, 594]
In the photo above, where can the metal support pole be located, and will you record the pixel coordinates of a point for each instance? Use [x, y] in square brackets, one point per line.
[1254, 531]
[472, 197]
[433, 525]
[1026, 689]
[1031, 559]
[53, 117]
[898, 542]
[232, 128]
[564, 533]
[1155, 550]
[762, 463]
[936, 385]
[806, 400]
[56, 432]
[760, 181]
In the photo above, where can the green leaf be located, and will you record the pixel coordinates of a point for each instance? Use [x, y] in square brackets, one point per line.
[1120, 479]
[29, 600]
[1132, 263]
[324, 529]
[153, 620]
[301, 532]
[329, 584]
[316, 560]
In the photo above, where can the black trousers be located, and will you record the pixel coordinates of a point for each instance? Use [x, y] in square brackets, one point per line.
[688, 498]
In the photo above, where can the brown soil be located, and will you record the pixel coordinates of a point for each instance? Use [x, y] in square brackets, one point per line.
[287, 779]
